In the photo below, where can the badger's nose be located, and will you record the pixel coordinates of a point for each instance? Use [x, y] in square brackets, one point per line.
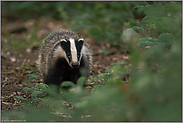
[75, 64]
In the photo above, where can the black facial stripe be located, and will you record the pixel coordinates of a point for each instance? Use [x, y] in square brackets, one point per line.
[66, 47]
[79, 45]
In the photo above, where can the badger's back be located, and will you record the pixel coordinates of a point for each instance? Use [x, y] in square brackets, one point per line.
[62, 56]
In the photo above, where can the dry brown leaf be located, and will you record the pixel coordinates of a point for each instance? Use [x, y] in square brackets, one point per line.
[13, 59]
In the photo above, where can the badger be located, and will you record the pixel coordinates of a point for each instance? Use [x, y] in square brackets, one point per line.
[64, 56]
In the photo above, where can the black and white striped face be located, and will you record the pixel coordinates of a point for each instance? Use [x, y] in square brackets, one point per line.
[72, 50]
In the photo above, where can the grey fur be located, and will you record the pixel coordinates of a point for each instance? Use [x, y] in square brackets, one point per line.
[46, 60]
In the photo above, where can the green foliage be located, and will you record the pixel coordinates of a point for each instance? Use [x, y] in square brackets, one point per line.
[20, 97]
[35, 91]
[26, 89]
[81, 81]
[42, 85]
[24, 9]
[154, 90]
[147, 41]
[101, 27]
[67, 83]
[103, 20]
[32, 76]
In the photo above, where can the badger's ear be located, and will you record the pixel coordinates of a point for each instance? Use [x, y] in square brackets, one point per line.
[79, 42]
[81, 39]
[63, 40]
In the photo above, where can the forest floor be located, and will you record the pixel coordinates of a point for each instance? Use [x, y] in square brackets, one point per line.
[20, 43]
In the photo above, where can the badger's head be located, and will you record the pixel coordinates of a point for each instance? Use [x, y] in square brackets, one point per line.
[69, 49]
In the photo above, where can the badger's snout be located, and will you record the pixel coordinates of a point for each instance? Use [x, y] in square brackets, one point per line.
[75, 64]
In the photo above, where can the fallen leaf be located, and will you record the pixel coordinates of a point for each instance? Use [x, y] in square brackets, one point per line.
[13, 59]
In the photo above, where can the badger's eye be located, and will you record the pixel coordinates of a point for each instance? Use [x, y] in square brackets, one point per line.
[78, 55]
[69, 55]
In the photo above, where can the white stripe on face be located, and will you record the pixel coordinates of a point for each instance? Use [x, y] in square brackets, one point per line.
[73, 50]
